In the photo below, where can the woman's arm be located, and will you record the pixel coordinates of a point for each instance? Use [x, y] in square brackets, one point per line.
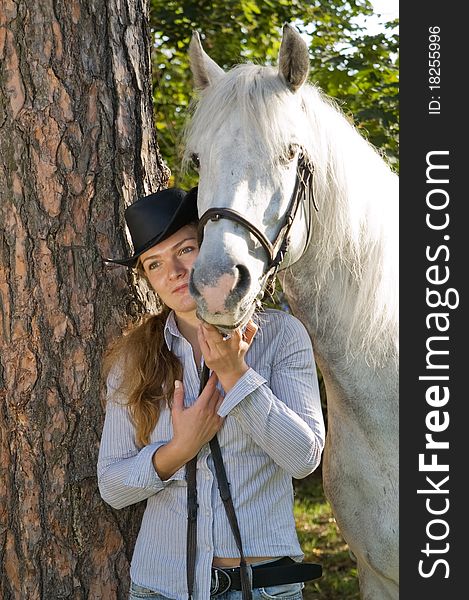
[125, 472]
[128, 474]
[284, 415]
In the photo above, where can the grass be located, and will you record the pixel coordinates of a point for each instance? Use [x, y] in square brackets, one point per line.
[322, 543]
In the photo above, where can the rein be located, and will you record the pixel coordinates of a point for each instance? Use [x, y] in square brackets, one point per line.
[277, 249]
[192, 506]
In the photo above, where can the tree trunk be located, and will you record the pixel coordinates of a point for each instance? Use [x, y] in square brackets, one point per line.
[77, 145]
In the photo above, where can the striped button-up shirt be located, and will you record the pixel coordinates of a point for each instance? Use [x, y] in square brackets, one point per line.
[273, 431]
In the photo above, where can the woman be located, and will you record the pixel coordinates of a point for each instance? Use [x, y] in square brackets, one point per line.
[261, 400]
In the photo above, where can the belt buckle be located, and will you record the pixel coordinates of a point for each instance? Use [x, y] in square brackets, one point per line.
[222, 582]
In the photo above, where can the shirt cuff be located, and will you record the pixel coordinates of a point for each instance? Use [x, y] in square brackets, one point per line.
[143, 473]
[247, 383]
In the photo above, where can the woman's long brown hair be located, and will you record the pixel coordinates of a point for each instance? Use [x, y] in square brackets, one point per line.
[149, 370]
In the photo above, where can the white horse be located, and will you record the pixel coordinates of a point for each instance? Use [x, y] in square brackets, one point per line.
[250, 128]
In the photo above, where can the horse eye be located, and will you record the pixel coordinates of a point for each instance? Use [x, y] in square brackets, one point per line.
[195, 160]
[289, 155]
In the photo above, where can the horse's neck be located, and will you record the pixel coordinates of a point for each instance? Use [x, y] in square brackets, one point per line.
[327, 310]
[360, 395]
[349, 308]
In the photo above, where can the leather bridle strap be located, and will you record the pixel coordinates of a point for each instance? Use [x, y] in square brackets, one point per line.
[215, 214]
[191, 548]
[225, 495]
[192, 506]
[277, 249]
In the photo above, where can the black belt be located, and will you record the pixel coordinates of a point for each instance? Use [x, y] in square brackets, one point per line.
[284, 570]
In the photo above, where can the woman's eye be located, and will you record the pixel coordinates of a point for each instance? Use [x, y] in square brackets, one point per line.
[195, 161]
[186, 249]
[154, 265]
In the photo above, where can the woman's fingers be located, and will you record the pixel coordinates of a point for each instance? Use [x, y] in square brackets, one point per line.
[213, 398]
[213, 344]
[178, 397]
[212, 337]
[209, 337]
[250, 332]
[210, 390]
[206, 345]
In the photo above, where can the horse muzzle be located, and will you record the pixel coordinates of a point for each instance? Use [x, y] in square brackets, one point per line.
[224, 300]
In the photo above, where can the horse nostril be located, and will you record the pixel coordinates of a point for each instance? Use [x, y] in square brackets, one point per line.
[244, 279]
[217, 285]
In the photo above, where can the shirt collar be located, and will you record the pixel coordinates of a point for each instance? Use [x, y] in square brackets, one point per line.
[171, 329]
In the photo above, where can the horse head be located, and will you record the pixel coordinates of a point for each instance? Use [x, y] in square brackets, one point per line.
[247, 136]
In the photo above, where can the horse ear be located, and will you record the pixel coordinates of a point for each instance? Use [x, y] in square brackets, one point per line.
[204, 69]
[293, 58]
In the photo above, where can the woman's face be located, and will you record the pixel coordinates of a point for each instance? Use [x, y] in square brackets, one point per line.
[168, 265]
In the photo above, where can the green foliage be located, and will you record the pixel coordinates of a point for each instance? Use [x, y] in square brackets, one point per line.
[358, 70]
[364, 78]
[322, 543]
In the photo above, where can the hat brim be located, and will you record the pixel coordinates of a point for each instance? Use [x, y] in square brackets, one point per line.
[184, 215]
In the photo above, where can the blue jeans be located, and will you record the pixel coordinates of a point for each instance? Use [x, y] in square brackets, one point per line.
[287, 591]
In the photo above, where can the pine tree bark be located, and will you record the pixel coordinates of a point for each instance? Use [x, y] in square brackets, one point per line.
[77, 145]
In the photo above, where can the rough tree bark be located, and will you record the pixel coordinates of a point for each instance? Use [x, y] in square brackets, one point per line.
[77, 145]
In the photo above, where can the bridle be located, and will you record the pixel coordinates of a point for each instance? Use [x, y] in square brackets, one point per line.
[277, 249]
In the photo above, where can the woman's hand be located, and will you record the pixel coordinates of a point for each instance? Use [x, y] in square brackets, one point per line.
[193, 427]
[226, 356]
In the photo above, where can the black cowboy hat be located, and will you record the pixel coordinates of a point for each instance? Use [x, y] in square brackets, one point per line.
[154, 218]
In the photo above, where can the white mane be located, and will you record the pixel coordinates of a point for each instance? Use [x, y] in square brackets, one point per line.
[355, 229]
